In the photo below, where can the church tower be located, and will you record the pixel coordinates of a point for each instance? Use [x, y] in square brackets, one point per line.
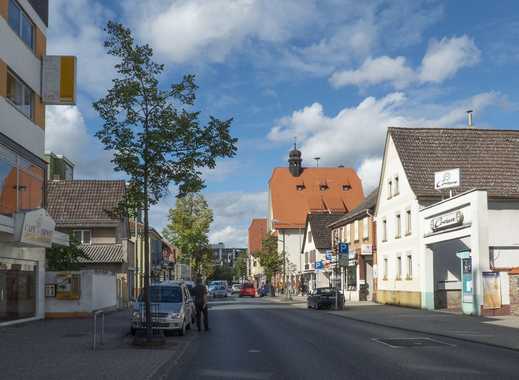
[295, 162]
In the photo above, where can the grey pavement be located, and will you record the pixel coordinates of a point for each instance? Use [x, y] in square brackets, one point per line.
[62, 349]
[261, 339]
[497, 331]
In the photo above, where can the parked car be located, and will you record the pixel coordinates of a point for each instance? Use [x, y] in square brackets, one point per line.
[171, 308]
[235, 289]
[263, 290]
[218, 291]
[248, 290]
[324, 298]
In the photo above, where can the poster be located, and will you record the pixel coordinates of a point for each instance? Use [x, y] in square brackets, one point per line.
[491, 290]
[68, 286]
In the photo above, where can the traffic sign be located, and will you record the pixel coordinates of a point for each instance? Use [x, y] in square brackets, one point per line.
[344, 248]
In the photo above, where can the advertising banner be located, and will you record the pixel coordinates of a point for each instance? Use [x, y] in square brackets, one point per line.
[447, 179]
[491, 290]
[68, 286]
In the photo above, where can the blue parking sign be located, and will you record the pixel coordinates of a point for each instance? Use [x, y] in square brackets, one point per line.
[344, 248]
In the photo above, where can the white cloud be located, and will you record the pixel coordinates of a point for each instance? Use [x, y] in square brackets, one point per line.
[357, 133]
[369, 173]
[76, 28]
[231, 236]
[442, 60]
[67, 134]
[375, 71]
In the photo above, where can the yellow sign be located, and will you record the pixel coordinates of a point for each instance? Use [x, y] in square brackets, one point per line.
[59, 80]
[68, 286]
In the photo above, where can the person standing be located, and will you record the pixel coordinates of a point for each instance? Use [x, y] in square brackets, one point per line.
[200, 294]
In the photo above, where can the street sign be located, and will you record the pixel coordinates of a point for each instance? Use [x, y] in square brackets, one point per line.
[344, 248]
[343, 259]
[328, 254]
[319, 265]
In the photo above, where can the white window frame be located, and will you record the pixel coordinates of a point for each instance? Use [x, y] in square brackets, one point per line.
[385, 268]
[356, 230]
[348, 232]
[398, 226]
[365, 228]
[25, 88]
[82, 232]
[384, 230]
[408, 222]
[399, 267]
[389, 189]
[396, 185]
[409, 265]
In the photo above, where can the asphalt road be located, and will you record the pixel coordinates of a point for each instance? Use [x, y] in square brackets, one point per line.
[255, 339]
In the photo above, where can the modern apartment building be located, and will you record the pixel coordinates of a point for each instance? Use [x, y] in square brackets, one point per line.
[25, 227]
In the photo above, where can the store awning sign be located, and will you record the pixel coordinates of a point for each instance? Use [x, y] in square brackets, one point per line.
[34, 228]
[447, 179]
[442, 222]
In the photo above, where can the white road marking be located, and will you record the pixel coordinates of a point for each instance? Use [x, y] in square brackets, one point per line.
[228, 374]
[254, 351]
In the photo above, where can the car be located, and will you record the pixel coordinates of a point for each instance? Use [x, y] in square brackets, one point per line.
[324, 298]
[218, 291]
[172, 308]
[235, 289]
[248, 290]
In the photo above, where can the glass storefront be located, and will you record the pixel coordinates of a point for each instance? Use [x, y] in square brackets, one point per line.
[17, 289]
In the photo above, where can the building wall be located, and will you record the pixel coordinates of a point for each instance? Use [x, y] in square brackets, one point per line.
[391, 288]
[293, 244]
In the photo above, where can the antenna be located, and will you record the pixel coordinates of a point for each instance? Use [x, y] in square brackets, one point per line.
[469, 119]
[317, 161]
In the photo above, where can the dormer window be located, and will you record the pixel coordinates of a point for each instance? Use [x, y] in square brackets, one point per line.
[346, 187]
[300, 187]
[323, 187]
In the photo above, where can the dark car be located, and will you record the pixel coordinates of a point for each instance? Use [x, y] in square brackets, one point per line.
[324, 298]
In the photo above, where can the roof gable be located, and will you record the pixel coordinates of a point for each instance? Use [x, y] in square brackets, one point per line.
[320, 231]
[367, 205]
[488, 159]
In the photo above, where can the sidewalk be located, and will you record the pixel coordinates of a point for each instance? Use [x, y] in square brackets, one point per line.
[62, 349]
[494, 331]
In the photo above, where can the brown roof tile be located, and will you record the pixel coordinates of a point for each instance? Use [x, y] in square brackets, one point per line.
[84, 202]
[257, 232]
[488, 159]
[342, 192]
[367, 205]
[102, 253]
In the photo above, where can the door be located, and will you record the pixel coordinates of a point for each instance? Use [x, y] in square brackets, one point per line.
[369, 281]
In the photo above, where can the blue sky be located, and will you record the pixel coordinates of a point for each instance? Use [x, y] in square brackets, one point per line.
[333, 73]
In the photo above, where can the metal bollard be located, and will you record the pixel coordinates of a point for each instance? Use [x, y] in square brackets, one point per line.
[94, 333]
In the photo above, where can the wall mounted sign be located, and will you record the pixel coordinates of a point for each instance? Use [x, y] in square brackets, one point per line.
[447, 179]
[366, 249]
[343, 259]
[491, 290]
[328, 254]
[34, 228]
[68, 286]
[59, 79]
[466, 266]
[445, 221]
[50, 290]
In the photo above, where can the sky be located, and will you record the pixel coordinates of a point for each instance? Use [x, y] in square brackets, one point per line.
[334, 74]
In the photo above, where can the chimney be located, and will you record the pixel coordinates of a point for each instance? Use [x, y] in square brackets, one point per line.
[469, 119]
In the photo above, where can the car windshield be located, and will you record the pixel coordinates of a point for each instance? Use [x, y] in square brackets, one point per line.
[164, 294]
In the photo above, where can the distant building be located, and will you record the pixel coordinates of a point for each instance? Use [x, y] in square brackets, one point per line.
[295, 191]
[226, 256]
[59, 167]
[256, 233]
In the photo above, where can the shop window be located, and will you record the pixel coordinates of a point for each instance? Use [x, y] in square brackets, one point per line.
[351, 277]
[399, 267]
[21, 23]
[385, 268]
[398, 226]
[408, 222]
[384, 230]
[20, 95]
[82, 236]
[17, 289]
[409, 267]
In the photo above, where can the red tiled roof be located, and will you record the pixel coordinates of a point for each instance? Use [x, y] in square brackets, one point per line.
[324, 189]
[257, 232]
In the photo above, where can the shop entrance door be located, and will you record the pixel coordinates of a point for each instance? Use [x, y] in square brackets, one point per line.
[17, 289]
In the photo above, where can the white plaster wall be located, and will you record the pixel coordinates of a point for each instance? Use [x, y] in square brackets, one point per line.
[31, 254]
[293, 243]
[19, 57]
[104, 290]
[503, 223]
[388, 209]
[20, 129]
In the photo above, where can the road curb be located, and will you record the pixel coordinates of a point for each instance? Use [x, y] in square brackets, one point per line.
[437, 334]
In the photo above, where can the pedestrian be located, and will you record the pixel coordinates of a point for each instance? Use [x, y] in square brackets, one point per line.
[200, 294]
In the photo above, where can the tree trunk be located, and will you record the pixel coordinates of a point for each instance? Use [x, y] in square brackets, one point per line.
[147, 262]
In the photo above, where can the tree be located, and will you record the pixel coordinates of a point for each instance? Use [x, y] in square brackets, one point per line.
[188, 230]
[222, 272]
[154, 136]
[240, 266]
[270, 259]
[61, 258]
